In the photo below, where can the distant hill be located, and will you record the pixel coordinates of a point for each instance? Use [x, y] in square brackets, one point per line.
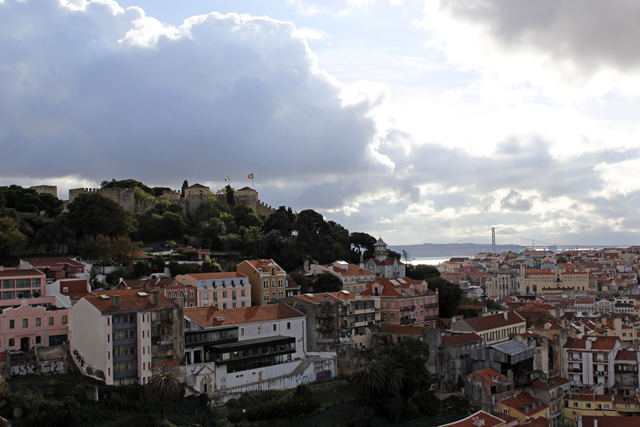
[427, 250]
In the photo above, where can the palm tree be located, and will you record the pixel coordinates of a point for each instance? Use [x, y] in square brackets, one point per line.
[369, 381]
[392, 370]
[163, 387]
[254, 242]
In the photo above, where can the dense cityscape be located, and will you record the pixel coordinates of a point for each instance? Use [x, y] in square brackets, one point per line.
[257, 301]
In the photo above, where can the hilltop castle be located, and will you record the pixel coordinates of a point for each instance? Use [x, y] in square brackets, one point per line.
[189, 198]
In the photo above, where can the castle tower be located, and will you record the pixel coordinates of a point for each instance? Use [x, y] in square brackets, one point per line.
[380, 250]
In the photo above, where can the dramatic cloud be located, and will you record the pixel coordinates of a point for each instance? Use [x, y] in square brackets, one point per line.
[92, 91]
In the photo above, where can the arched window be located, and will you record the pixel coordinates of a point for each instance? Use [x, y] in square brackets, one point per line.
[12, 342]
[181, 294]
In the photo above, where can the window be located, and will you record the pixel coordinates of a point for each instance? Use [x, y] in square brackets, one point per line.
[575, 404]
[274, 327]
[288, 325]
[393, 316]
[190, 294]
[64, 320]
[38, 339]
[235, 305]
[265, 284]
[258, 329]
[273, 271]
[224, 294]
[38, 321]
[280, 295]
[599, 406]
[12, 324]
[280, 282]
[12, 342]
[606, 406]
[25, 323]
[588, 405]
[273, 283]
[266, 297]
[273, 296]
[242, 293]
[243, 304]
[50, 321]
[241, 331]
[181, 294]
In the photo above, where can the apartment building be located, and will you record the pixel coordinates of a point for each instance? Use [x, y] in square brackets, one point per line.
[405, 301]
[493, 328]
[220, 290]
[25, 327]
[170, 288]
[55, 268]
[337, 319]
[354, 279]
[590, 360]
[23, 284]
[267, 279]
[234, 351]
[121, 336]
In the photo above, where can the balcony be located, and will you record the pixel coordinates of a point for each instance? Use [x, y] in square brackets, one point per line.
[406, 321]
[325, 327]
[408, 308]
[433, 305]
[325, 315]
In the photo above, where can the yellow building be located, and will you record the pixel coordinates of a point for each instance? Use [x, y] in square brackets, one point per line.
[268, 280]
[588, 403]
[524, 407]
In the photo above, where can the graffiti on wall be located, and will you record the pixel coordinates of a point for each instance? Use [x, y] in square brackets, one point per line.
[324, 375]
[56, 366]
[97, 373]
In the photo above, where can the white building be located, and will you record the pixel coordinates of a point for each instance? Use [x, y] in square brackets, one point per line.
[121, 336]
[229, 352]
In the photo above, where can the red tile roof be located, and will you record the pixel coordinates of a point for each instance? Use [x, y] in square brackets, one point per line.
[208, 317]
[130, 300]
[494, 321]
[600, 343]
[263, 263]
[52, 262]
[523, 403]
[488, 421]
[490, 375]
[603, 421]
[460, 339]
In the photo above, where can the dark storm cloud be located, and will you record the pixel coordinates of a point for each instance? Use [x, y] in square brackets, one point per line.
[590, 34]
[236, 95]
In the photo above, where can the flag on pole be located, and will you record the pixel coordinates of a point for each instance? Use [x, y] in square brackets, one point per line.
[228, 179]
[250, 176]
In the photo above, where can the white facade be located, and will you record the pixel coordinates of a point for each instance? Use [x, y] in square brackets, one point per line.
[224, 379]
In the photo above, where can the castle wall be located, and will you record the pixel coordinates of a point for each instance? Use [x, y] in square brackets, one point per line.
[190, 203]
[51, 189]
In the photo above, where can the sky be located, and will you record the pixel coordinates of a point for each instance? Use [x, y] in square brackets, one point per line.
[416, 120]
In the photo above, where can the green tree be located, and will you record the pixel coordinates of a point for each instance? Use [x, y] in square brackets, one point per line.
[422, 272]
[230, 195]
[326, 282]
[211, 230]
[128, 183]
[562, 260]
[246, 216]
[163, 387]
[211, 266]
[10, 237]
[369, 383]
[449, 295]
[281, 220]
[142, 269]
[98, 249]
[254, 242]
[412, 354]
[91, 214]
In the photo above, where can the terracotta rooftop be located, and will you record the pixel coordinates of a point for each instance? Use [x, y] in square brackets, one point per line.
[263, 263]
[494, 321]
[524, 403]
[491, 376]
[130, 300]
[208, 317]
[460, 339]
[600, 343]
[603, 421]
[52, 262]
[487, 420]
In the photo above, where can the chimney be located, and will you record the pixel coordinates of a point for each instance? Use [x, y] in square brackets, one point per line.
[153, 298]
[115, 301]
[180, 302]
[506, 317]
[595, 422]
[579, 420]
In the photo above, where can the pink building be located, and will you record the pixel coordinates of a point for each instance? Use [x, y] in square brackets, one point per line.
[23, 284]
[25, 327]
[220, 290]
[404, 301]
[54, 268]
